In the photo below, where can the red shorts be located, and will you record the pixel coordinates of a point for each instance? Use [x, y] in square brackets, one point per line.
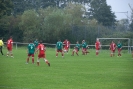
[75, 50]
[97, 48]
[113, 51]
[66, 48]
[41, 56]
[84, 49]
[31, 55]
[59, 50]
[119, 49]
[9, 48]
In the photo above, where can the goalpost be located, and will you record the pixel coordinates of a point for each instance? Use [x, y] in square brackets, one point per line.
[128, 44]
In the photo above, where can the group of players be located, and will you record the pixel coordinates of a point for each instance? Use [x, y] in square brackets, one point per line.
[85, 48]
[33, 47]
[39, 47]
[113, 47]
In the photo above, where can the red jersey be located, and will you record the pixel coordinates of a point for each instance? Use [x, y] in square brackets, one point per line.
[97, 45]
[67, 43]
[41, 48]
[9, 43]
[112, 46]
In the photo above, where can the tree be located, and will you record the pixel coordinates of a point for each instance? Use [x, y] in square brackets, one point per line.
[76, 11]
[30, 24]
[102, 12]
[5, 7]
[9, 27]
[122, 25]
[21, 5]
[54, 24]
[131, 18]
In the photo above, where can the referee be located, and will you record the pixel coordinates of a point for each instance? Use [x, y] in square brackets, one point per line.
[1, 44]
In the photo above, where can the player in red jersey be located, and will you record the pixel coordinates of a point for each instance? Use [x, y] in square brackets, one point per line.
[10, 46]
[97, 46]
[41, 48]
[66, 45]
[112, 48]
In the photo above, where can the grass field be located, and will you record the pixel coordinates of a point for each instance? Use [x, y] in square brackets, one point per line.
[71, 72]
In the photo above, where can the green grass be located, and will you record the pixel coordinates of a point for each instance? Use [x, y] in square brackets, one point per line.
[71, 72]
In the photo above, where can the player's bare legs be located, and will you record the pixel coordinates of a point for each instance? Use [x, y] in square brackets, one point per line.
[77, 53]
[10, 53]
[57, 54]
[111, 54]
[7, 54]
[83, 51]
[87, 52]
[119, 52]
[27, 61]
[47, 62]
[33, 60]
[73, 53]
[74, 50]
[38, 61]
[62, 53]
[97, 52]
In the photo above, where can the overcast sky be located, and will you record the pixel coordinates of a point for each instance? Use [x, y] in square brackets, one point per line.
[121, 6]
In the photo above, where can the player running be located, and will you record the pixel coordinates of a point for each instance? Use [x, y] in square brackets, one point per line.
[41, 48]
[30, 50]
[112, 48]
[59, 46]
[10, 47]
[76, 49]
[66, 45]
[97, 46]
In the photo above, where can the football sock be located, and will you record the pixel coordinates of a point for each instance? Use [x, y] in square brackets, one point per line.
[73, 53]
[113, 54]
[38, 63]
[47, 62]
[62, 54]
[96, 53]
[7, 54]
[56, 54]
[32, 60]
[76, 53]
[27, 60]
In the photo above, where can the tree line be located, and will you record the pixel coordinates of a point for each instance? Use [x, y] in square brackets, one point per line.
[51, 20]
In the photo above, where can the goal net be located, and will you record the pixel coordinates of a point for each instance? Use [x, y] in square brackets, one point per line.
[105, 43]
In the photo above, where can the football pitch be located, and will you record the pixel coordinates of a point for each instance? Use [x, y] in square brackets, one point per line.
[71, 72]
